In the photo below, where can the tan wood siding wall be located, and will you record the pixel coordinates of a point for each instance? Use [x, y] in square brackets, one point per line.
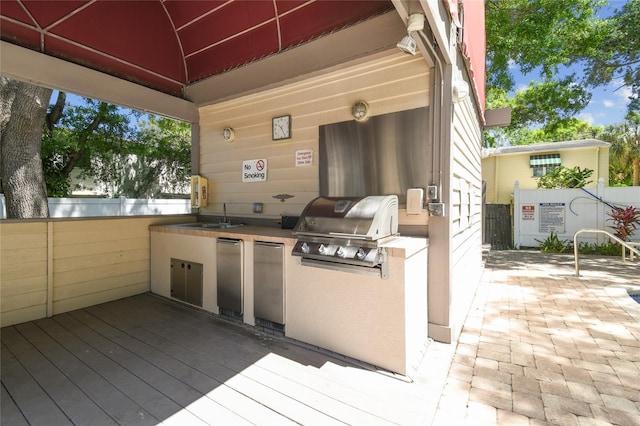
[82, 262]
[391, 82]
[23, 271]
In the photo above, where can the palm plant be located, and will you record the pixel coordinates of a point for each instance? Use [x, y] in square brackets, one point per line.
[625, 147]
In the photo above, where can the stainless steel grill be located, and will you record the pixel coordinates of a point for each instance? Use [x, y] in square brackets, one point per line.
[345, 233]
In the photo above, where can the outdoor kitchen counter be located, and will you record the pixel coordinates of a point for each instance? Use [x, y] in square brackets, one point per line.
[244, 232]
[380, 321]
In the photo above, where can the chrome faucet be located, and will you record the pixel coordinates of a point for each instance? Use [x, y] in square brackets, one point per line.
[224, 209]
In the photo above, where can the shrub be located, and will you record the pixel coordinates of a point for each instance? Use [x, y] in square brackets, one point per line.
[624, 221]
[553, 244]
[564, 177]
[607, 249]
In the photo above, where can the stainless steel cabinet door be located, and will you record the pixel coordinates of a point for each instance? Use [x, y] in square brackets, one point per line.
[193, 291]
[178, 279]
[268, 281]
[186, 281]
[229, 266]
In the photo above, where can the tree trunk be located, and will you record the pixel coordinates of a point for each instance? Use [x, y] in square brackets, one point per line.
[635, 165]
[23, 109]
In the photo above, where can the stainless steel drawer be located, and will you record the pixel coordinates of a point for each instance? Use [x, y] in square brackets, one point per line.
[268, 281]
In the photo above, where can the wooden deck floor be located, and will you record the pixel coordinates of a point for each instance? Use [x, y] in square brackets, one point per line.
[146, 360]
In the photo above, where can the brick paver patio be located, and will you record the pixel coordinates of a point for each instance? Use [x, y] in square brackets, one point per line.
[542, 346]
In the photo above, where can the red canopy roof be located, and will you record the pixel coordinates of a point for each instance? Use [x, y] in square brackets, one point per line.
[167, 45]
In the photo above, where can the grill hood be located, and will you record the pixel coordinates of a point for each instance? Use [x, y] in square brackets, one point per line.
[367, 218]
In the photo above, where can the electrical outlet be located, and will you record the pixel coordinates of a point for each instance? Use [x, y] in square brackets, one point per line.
[436, 209]
[414, 201]
[432, 192]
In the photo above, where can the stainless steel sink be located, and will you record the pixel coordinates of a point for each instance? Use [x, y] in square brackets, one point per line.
[228, 225]
[211, 225]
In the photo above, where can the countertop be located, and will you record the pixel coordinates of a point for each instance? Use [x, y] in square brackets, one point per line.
[245, 232]
[399, 246]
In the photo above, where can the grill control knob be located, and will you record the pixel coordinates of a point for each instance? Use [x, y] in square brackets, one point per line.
[322, 249]
[305, 248]
[360, 254]
[341, 252]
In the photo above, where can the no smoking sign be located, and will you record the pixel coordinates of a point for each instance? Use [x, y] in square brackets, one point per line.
[254, 170]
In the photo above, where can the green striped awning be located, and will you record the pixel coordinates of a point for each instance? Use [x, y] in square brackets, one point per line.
[545, 160]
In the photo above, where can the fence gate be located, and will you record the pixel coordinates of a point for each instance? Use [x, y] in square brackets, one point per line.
[497, 226]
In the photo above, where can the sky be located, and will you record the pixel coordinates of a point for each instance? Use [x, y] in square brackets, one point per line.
[608, 103]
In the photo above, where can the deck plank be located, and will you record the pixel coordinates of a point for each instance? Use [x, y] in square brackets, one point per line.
[9, 412]
[188, 398]
[373, 398]
[283, 379]
[35, 404]
[253, 411]
[137, 390]
[119, 407]
[287, 405]
[175, 365]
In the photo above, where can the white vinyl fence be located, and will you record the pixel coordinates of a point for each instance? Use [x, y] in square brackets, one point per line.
[538, 212]
[86, 207]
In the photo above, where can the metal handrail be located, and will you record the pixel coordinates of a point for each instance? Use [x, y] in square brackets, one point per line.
[600, 231]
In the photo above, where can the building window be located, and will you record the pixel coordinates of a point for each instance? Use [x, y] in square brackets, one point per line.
[537, 171]
[543, 164]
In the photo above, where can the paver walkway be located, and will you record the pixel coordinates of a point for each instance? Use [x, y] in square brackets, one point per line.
[542, 346]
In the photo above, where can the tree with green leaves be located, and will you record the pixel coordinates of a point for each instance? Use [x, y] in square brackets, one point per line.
[615, 54]
[133, 154]
[624, 164]
[75, 135]
[158, 158]
[545, 37]
[41, 145]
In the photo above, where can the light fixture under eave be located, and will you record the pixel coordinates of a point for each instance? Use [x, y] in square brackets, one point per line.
[360, 111]
[460, 91]
[228, 134]
[415, 22]
[407, 45]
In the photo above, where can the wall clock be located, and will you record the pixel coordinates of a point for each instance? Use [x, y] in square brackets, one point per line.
[281, 128]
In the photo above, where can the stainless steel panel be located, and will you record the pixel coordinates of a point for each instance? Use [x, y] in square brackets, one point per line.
[193, 292]
[186, 281]
[268, 281]
[381, 271]
[383, 156]
[229, 274]
[178, 279]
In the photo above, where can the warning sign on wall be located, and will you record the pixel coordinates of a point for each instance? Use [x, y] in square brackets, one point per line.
[528, 212]
[254, 170]
[552, 218]
[304, 157]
